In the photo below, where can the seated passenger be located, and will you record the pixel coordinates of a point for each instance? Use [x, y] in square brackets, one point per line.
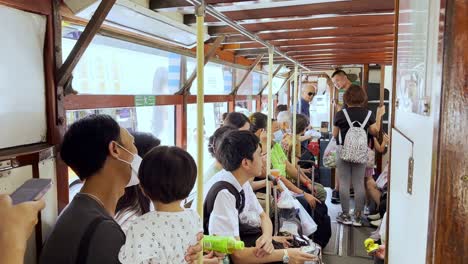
[279, 160]
[229, 194]
[237, 120]
[104, 156]
[134, 203]
[167, 175]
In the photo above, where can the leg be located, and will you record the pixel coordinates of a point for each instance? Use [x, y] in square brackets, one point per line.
[344, 175]
[357, 177]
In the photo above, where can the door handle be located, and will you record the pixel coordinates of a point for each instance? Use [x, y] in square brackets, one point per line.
[410, 175]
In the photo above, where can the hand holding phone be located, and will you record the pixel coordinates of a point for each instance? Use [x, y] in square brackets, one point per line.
[31, 190]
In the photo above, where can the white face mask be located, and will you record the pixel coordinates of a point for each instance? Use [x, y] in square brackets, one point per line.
[278, 136]
[135, 165]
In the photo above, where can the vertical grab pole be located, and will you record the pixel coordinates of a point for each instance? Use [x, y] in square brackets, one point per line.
[200, 14]
[270, 114]
[294, 108]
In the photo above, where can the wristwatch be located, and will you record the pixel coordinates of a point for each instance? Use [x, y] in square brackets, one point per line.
[285, 256]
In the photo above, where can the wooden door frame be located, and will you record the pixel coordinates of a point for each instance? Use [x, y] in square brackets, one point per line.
[447, 231]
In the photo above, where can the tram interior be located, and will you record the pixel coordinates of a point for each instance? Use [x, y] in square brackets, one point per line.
[136, 61]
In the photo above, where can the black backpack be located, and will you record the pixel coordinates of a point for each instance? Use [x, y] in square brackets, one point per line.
[322, 219]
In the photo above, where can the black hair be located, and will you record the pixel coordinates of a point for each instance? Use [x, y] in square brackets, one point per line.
[224, 116]
[85, 146]
[167, 174]
[236, 146]
[258, 121]
[302, 122]
[339, 72]
[281, 108]
[134, 200]
[215, 139]
[236, 119]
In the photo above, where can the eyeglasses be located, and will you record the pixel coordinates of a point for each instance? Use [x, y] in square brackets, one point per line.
[311, 94]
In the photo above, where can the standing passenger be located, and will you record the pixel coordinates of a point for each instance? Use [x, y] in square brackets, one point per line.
[355, 99]
[237, 120]
[308, 92]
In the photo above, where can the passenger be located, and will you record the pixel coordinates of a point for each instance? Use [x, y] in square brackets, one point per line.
[104, 156]
[342, 83]
[134, 202]
[355, 99]
[237, 120]
[17, 223]
[279, 159]
[308, 91]
[223, 117]
[167, 175]
[280, 108]
[229, 195]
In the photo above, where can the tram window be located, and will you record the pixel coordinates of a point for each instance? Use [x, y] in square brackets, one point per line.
[245, 106]
[218, 78]
[283, 95]
[112, 66]
[277, 82]
[253, 83]
[212, 120]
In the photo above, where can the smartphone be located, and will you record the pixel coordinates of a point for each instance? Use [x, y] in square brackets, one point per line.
[31, 190]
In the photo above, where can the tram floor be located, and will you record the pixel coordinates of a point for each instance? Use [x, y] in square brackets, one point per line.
[346, 244]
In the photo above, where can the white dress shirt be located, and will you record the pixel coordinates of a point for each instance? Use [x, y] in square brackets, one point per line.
[224, 219]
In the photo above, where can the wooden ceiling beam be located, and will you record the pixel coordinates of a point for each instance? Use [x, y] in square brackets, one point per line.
[312, 41]
[308, 23]
[169, 4]
[302, 34]
[338, 8]
[249, 54]
[346, 46]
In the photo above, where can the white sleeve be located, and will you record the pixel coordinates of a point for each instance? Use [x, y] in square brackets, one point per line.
[252, 198]
[224, 219]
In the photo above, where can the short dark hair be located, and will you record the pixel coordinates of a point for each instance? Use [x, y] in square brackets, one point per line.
[144, 142]
[236, 146]
[224, 116]
[355, 95]
[167, 174]
[281, 108]
[236, 119]
[339, 72]
[85, 146]
[134, 200]
[215, 139]
[258, 121]
[302, 122]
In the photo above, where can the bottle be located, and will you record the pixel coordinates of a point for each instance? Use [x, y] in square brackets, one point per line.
[222, 244]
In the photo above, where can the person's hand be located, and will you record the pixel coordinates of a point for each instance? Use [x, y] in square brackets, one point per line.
[193, 251]
[381, 111]
[17, 223]
[380, 253]
[296, 256]
[264, 136]
[311, 200]
[386, 138]
[263, 246]
[283, 240]
[304, 171]
[213, 258]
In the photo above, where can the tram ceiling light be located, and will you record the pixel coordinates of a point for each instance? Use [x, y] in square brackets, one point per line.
[220, 16]
[134, 17]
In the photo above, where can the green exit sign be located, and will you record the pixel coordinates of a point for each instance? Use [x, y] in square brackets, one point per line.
[145, 100]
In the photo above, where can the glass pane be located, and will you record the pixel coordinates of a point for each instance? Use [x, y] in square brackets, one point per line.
[245, 106]
[252, 85]
[218, 78]
[158, 120]
[212, 120]
[277, 82]
[112, 66]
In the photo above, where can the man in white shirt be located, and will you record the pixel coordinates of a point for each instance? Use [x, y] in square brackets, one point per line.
[240, 155]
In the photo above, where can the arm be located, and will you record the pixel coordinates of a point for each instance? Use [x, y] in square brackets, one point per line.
[16, 225]
[256, 185]
[379, 147]
[336, 131]
[291, 170]
[295, 256]
[374, 129]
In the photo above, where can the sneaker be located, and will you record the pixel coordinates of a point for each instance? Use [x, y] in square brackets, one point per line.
[335, 199]
[357, 221]
[374, 217]
[344, 218]
[376, 223]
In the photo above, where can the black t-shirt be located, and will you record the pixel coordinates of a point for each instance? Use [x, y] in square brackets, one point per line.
[355, 114]
[62, 244]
